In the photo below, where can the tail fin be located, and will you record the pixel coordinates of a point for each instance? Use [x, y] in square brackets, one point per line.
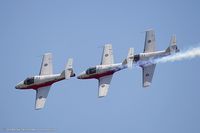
[68, 72]
[129, 60]
[173, 40]
[172, 47]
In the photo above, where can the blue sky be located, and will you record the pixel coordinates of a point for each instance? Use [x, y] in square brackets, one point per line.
[78, 29]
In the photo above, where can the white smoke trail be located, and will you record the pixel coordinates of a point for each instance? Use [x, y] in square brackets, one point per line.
[188, 54]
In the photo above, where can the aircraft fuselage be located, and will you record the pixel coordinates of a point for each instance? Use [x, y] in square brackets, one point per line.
[101, 70]
[148, 58]
[39, 81]
[150, 55]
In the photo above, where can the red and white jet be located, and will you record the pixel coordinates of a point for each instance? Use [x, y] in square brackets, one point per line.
[147, 59]
[106, 69]
[45, 79]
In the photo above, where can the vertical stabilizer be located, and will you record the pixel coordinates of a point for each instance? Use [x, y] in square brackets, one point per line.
[173, 40]
[68, 72]
[172, 46]
[129, 60]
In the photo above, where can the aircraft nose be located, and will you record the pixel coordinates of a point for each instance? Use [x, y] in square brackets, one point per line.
[18, 86]
[80, 76]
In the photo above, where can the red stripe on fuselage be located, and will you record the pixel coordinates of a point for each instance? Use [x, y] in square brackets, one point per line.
[36, 86]
[99, 75]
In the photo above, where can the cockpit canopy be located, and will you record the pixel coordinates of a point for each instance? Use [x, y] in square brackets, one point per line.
[91, 70]
[29, 80]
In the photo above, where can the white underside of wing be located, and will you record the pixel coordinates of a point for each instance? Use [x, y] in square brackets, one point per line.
[104, 84]
[150, 44]
[41, 96]
[107, 56]
[46, 66]
[148, 72]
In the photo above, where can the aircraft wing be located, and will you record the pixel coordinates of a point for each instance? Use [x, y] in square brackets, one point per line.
[104, 83]
[46, 66]
[107, 56]
[41, 96]
[149, 45]
[148, 72]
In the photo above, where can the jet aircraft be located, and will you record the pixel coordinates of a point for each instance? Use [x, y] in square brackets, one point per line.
[146, 60]
[104, 72]
[45, 79]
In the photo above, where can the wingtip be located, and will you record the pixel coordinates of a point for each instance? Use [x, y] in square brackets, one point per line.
[146, 84]
[101, 96]
[48, 53]
[149, 29]
[108, 45]
[38, 108]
